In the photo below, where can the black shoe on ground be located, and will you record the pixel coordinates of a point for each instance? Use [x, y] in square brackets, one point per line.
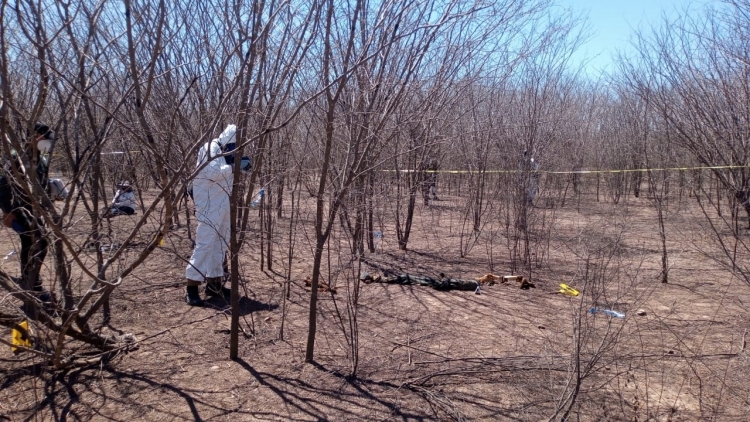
[192, 296]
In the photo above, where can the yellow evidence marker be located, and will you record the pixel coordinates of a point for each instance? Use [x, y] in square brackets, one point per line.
[567, 290]
[20, 338]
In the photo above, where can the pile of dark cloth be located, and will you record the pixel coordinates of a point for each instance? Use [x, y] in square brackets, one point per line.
[438, 283]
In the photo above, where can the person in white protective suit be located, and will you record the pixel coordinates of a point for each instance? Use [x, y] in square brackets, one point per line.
[533, 187]
[529, 177]
[212, 188]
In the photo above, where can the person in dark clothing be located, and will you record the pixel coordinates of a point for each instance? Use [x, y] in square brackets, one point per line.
[18, 212]
[529, 177]
[429, 184]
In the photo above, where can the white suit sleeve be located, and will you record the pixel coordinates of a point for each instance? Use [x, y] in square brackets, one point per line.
[217, 169]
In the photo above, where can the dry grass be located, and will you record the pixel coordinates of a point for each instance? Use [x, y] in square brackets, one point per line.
[505, 354]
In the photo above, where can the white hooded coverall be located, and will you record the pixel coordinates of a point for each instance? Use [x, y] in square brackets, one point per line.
[533, 186]
[211, 190]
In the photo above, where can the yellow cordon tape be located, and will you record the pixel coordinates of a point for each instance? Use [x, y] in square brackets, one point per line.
[569, 172]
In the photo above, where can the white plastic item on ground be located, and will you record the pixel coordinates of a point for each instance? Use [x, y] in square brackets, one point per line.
[607, 312]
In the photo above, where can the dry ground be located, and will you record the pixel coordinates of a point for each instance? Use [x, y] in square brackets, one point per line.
[504, 354]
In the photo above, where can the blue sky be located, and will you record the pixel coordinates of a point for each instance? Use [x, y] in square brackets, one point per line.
[612, 22]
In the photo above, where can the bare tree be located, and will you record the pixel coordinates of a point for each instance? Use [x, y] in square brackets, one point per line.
[691, 73]
[113, 83]
[383, 49]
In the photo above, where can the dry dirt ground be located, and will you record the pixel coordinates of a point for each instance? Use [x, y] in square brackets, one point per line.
[423, 354]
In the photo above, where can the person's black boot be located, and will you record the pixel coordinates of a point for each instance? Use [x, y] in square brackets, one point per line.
[214, 288]
[192, 296]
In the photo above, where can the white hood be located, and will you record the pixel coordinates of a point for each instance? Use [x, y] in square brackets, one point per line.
[227, 136]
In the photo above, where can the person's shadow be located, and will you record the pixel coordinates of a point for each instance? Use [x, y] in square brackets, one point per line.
[246, 305]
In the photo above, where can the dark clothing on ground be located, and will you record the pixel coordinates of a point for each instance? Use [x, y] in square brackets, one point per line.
[437, 283]
[121, 210]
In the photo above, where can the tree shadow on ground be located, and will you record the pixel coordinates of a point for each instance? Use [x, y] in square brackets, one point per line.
[320, 403]
[62, 398]
[362, 397]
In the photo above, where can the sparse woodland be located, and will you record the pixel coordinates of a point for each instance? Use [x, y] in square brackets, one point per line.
[351, 111]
